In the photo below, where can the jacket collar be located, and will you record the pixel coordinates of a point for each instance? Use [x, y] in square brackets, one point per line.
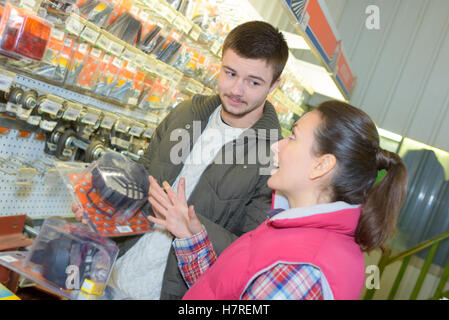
[338, 216]
[203, 106]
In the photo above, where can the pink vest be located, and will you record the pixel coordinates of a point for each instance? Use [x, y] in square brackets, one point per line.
[324, 240]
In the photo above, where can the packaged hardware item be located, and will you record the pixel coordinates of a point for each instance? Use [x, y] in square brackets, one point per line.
[62, 60]
[97, 12]
[78, 59]
[23, 34]
[111, 190]
[87, 76]
[124, 85]
[154, 99]
[127, 28]
[108, 70]
[70, 256]
[49, 63]
[66, 258]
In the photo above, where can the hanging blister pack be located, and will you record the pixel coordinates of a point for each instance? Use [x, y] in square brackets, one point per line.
[77, 61]
[23, 34]
[108, 78]
[95, 11]
[87, 76]
[63, 59]
[111, 191]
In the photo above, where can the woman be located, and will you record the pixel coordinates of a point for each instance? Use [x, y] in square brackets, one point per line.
[326, 170]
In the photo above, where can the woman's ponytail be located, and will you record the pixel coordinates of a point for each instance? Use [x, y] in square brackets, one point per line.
[351, 136]
[382, 203]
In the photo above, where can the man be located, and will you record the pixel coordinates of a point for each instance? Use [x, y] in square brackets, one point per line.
[217, 157]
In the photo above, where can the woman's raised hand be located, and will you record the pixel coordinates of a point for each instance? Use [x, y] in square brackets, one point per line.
[171, 209]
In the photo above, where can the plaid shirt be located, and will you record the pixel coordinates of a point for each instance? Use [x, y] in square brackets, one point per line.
[283, 281]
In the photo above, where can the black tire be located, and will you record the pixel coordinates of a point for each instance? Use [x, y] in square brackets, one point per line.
[61, 144]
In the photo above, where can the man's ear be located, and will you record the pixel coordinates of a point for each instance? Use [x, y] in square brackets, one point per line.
[275, 84]
[322, 166]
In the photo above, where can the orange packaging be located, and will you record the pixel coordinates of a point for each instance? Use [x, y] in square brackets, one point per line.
[23, 33]
[86, 78]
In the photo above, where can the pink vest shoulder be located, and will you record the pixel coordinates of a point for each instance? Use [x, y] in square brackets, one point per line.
[336, 254]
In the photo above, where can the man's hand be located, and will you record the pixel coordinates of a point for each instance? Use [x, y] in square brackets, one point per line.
[171, 209]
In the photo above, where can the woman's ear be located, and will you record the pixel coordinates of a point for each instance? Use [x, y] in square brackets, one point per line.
[322, 166]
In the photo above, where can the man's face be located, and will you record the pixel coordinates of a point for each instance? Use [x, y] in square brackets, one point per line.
[243, 84]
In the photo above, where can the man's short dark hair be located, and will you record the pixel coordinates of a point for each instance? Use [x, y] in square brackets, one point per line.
[259, 40]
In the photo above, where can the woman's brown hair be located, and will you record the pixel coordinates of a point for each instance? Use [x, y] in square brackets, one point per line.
[351, 136]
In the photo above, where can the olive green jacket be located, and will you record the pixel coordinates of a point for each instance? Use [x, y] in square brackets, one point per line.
[232, 196]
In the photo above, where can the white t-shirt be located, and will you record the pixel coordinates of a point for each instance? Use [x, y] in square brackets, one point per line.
[139, 272]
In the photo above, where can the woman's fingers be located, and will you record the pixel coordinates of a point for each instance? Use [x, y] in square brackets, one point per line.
[170, 193]
[182, 190]
[194, 223]
[158, 209]
[158, 193]
[157, 221]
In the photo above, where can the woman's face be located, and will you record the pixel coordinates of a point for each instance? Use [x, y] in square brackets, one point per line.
[294, 157]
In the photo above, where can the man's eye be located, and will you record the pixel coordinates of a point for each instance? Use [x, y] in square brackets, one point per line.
[230, 73]
[254, 83]
[292, 137]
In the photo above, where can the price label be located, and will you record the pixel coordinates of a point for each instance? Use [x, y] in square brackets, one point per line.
[23, 114]
[148, 133]
[140, 60]
[47, 125]
[170, 15]
[164, 11]
[122, 127]
[144, 16]
[82, 48]
[108, 122]
[28, 4]
[187, 25]
[103, 42]
[124, 229]
[195, 33]
[89, 35]
[129, 55]
[120, 143]
[57, 34]
[134, 11]
[96, 53]
[177, 77]
[178, 23]
[12, 107]
[74, 25]
[118, 63]
[136, 131]
[132, 101]
[116, 48]
[90, 118]
[25, 175]
[71, 114]
[50, 106]
[194, 86]
[6, 79]
[34, 120]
